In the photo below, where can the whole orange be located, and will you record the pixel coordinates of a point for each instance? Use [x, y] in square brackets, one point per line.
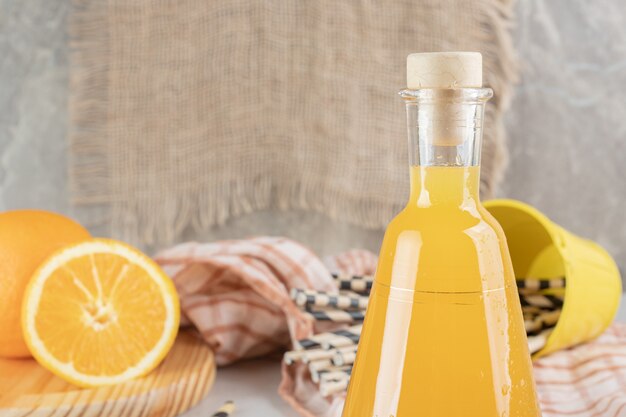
[27, 238]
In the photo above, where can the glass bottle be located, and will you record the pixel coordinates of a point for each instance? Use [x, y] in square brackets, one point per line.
[443, 334]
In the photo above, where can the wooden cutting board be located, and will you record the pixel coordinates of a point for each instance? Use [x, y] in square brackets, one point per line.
[184, 378]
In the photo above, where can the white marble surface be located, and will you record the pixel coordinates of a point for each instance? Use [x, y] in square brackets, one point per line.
[252, 385]
[567, 123]
[33, 104]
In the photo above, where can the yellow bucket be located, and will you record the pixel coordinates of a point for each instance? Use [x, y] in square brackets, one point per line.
[541, 249]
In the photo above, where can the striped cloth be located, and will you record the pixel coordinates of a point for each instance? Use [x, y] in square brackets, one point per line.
[237, 294]
[586, 381]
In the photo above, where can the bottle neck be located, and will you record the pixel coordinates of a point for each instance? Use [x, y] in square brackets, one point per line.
[439, 185]
[445, 134]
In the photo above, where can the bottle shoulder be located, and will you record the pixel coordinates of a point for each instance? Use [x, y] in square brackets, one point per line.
[455, 248]
[444, 218]
[447, 223]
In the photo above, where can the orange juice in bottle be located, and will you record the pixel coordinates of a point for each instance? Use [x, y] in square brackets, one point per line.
[443, 335]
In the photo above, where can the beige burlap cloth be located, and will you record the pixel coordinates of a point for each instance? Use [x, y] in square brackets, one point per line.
[188, 112]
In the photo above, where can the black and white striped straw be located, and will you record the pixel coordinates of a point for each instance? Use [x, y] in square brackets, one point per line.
[344, 356]
[226, 410]
[361, 284]
[333, 387]
[538, 342]
[324, 340]
[336, 315]
[306, 356]
[320, 364]
[541, 321]
[531, 311]
[343, 338]
[535, 285]
[318, 374]
[317, 354]
[312, 298]
[544, 301]
[335, 374]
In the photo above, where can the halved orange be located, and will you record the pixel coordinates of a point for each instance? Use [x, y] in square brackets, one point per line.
[99, 313]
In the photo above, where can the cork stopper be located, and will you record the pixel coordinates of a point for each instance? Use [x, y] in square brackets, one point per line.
[445, 121]
[444, 70]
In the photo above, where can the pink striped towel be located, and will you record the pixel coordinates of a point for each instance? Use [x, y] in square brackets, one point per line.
[236, 293]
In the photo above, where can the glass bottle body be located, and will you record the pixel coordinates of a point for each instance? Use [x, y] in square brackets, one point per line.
[443, 334]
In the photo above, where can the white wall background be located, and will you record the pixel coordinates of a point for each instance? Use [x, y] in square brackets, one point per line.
[567, 124]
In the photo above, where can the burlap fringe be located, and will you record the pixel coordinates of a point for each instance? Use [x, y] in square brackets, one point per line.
[176, 214]
[164, 220]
